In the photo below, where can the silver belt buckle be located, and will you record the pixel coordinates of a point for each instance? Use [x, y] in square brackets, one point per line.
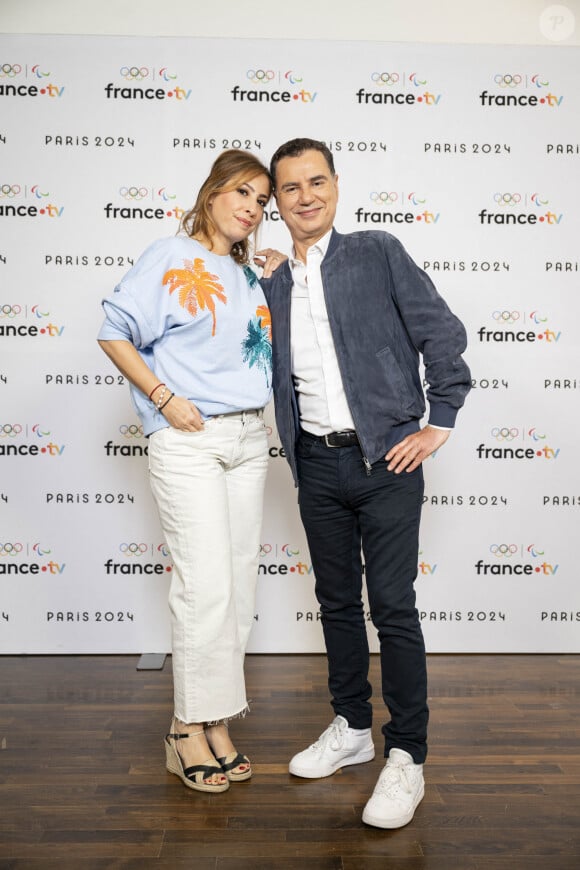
[327, 443]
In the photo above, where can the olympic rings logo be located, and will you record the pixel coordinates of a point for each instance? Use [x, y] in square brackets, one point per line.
[133, 430]
[133, 192]
[10, 310]
[500, 550]
[384, 196]
[506, 316]
[261, 76]
[10, 549]
[504, 433]
[9, 190]
[9, 70]
[133, 549]
[10, 430]
[265, 549]
[385, 78]
[507, 198]
[508, 80]
[134, 73]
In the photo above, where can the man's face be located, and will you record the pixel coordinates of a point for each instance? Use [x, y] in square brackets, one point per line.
[307, 196]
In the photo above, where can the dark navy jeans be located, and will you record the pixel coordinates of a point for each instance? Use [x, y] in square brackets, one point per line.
[342, 507]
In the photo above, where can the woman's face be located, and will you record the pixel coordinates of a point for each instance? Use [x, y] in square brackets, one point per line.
[238, 212]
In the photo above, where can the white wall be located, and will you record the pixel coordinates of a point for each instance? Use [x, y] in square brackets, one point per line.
[518, 22]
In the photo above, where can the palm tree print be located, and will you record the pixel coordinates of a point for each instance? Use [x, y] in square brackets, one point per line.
[196, 288]
[257, 345]
[263, 312]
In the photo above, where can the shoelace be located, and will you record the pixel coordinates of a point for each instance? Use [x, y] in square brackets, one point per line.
[333, 737]
[393, 779]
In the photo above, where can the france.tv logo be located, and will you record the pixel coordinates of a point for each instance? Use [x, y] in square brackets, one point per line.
[522, 327]
[389, 207]
[13, 74]
[513, 208]
[514, 442]
[262, 85]
[513, 89]
[146, 84]
[142, 202]
[516, 559]
[398, 88]
[37, 201]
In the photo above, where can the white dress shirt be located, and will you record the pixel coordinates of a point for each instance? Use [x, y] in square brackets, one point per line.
[322, 402]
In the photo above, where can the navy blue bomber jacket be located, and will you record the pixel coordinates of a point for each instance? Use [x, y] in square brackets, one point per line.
[384, 313]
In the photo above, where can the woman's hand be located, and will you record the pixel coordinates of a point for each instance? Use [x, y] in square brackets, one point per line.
[182, 414]
[269, 259]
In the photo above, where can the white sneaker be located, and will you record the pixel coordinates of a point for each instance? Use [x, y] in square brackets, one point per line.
[398, 792]
[336, 747]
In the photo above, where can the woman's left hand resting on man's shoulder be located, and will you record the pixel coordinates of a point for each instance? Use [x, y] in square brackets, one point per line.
[269, 259]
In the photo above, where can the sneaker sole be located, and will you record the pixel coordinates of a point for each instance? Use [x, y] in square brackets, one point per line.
[306, 773]
[377, 822]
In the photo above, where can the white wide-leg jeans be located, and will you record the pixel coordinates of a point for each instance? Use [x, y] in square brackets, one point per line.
[209, 489]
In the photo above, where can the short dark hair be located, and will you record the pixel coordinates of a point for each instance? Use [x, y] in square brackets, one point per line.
[296, 147]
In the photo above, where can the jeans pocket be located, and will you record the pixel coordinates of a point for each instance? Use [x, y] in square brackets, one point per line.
[304, 447]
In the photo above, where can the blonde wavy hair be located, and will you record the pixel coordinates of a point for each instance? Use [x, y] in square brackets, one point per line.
[229, 170]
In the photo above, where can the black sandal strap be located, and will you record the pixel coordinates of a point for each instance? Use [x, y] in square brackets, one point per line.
[239, 759]
[182, 736]
[208, 770]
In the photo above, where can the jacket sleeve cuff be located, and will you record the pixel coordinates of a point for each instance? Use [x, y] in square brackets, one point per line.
[442, 416]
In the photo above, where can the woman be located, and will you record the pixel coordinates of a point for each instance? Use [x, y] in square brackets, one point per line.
[189, 327]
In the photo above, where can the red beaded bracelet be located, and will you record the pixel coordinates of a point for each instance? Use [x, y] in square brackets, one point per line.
[154, 389]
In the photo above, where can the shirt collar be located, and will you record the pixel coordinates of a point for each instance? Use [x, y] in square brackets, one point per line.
[321, 247]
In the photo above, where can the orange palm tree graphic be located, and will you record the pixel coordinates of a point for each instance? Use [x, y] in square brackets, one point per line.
[263, 312]
[196, 288]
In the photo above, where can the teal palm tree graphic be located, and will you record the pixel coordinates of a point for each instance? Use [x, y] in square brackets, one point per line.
[257, 347]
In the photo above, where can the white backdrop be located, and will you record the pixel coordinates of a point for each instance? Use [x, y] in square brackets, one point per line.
[469, 154]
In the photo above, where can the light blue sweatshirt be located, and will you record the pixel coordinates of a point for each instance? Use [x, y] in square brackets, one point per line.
[200, 322]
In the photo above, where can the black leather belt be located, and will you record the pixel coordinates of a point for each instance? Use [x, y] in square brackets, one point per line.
[346, 438]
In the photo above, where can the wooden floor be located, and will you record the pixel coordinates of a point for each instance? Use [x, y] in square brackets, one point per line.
[83, 782]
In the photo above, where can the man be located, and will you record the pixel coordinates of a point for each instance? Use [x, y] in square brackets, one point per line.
[351, 314]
